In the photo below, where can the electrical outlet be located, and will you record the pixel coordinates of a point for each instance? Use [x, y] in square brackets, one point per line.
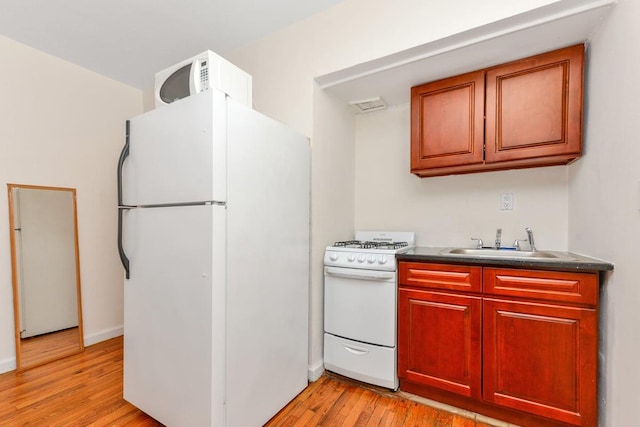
[506, 201]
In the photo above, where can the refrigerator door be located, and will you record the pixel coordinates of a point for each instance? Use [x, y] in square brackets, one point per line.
[267, 267]
[174, 313]
[177, 153]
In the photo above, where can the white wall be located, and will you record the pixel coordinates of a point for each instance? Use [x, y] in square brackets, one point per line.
[62, 125]
[448, 211]
[604, 196]
[332, 207]
[283, 67]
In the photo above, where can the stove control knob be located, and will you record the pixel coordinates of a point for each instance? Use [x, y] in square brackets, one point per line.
[333, 256]
[361, 258]
[351, 258]
[382, 259]
[371, 259]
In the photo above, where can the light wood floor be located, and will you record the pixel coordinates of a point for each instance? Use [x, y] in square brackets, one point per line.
[51, 346]
[81, 390]
[337, 401]
[86, 390]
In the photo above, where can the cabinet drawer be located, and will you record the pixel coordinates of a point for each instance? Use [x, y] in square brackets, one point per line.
[546, 285]
[441, 276]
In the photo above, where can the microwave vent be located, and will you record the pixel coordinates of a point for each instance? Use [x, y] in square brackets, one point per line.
[368, 105]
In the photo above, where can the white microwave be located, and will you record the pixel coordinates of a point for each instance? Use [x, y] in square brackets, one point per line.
[199, 73]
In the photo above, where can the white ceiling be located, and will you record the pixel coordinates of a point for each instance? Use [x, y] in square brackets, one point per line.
[130, 40]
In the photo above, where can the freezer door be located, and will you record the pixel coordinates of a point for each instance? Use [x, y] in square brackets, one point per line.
[177, 153]
[174, 313]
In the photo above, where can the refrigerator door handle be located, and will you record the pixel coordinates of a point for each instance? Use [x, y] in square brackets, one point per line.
[123, 155]
[123, 255]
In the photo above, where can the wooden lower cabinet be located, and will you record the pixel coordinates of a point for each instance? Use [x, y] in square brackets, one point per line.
[541, 359]
[529, 361]
[430, 326]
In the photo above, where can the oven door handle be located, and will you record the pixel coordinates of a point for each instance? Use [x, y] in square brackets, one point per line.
[359, 274]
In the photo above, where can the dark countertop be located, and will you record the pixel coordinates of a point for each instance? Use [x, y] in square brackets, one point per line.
[566, 261]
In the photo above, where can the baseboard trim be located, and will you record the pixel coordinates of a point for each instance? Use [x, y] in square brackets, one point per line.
[103, 336]
[315, 371]
[7, 365]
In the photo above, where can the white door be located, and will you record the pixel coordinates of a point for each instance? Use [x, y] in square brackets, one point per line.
[360, 305]
[174, 313]
[177, 153]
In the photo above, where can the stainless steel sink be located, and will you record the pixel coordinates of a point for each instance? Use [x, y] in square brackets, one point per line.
[502, 253]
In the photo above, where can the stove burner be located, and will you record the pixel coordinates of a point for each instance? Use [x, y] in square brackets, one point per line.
[392, 245]
[347, 244]
[370, 245]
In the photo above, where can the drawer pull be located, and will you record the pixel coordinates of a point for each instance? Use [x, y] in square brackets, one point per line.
[356, 350]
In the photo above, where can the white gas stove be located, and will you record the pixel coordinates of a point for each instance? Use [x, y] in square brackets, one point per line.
[360, 293]
[371, 250]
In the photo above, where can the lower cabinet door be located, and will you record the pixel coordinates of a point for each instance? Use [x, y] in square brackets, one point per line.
[541, 359]
[439, 340]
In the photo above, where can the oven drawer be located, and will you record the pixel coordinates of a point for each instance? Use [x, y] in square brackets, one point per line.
[364, 362]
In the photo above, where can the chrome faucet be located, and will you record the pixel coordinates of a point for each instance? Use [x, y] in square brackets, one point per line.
[498, 238]
[532, 243]
[516, 243]
[480, 242]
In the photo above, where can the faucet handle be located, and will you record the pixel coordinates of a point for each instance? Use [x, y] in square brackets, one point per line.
[480, 242]
[516, 243]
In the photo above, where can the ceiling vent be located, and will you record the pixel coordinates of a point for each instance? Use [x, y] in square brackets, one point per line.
[368, 105]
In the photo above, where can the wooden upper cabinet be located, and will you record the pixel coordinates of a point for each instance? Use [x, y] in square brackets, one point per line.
[534, 108]
[447, 122]
[522, 114]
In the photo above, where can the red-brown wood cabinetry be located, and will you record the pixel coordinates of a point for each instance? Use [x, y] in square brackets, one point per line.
[522, 114]
[448, 122]
[516, 344]
[433, 323]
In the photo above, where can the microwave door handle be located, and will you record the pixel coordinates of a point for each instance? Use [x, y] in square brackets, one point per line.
[194, 78]
[123, 156]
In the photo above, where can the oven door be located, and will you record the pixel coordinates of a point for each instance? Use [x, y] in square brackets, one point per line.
[360, 305]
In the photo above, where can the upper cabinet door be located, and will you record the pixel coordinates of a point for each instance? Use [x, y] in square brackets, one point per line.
[534, 107]
[447, 122]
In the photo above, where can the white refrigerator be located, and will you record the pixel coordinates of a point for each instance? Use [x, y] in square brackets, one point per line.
[214, 236]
